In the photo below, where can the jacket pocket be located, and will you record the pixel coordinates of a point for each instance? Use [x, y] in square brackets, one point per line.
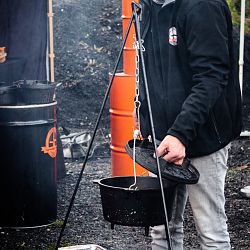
[215, 126]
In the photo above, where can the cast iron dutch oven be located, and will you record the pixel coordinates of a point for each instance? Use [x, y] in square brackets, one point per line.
[139, 206]
[142, 204]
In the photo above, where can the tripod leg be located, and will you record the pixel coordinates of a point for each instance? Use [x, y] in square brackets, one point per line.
[136, 12]
[94, 133]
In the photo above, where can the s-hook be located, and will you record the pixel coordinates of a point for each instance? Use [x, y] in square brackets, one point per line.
[136, 11]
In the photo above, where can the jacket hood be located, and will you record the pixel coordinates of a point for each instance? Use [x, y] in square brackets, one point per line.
[163, 2]
[167, 2]
[146, 2]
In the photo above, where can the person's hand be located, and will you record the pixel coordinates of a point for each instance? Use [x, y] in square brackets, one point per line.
[136, 123]
[172, 150]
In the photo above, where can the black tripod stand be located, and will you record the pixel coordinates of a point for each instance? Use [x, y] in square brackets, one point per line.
[136, 12]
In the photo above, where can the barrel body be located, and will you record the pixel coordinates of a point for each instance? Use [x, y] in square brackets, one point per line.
[121, 125]
[28, 187]
[122, 103]
[129, 50]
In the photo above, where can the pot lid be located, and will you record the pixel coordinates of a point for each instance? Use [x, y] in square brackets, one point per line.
[144, 156]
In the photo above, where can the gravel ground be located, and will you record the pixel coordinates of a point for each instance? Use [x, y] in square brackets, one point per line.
[87, 40]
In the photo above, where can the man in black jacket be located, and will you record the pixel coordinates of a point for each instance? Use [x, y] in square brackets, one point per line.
[196, 106]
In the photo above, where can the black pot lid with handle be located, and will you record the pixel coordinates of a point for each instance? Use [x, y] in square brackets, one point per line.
[144, 156]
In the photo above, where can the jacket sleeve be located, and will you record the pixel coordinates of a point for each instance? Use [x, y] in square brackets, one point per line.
[206, 38]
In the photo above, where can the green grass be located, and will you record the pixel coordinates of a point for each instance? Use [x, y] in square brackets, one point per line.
[232, 172]
[58, 223]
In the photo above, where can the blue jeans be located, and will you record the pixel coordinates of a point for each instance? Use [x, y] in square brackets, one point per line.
[208, 205]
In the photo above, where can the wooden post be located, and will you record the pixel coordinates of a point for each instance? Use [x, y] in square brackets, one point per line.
[242, 37]
[51, 42]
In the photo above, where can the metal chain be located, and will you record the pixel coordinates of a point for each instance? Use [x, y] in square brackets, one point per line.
[137, 104]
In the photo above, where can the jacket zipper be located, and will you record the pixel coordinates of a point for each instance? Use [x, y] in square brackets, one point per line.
[215, 127]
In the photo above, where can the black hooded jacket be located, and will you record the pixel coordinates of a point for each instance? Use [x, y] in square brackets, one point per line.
[192, 74]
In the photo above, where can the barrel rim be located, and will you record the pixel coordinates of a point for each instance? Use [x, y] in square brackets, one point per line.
[29, 106]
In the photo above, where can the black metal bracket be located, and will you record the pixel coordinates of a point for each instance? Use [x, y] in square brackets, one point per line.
[136, 7]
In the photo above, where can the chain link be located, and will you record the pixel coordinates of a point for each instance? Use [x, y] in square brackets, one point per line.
[137, 103]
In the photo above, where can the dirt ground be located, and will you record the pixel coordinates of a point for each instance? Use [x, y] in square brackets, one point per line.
[87, 40]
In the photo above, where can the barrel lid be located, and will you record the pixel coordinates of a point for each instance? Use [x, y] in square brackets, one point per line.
[144, 156]
[5, 87]
[35, 84]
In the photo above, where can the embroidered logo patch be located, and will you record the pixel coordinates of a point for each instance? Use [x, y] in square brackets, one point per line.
[173, 36]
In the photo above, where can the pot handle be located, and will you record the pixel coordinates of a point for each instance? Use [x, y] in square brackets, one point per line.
[96, 181]
[186, 163]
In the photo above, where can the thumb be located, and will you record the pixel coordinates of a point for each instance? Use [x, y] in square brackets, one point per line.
[162, 150]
